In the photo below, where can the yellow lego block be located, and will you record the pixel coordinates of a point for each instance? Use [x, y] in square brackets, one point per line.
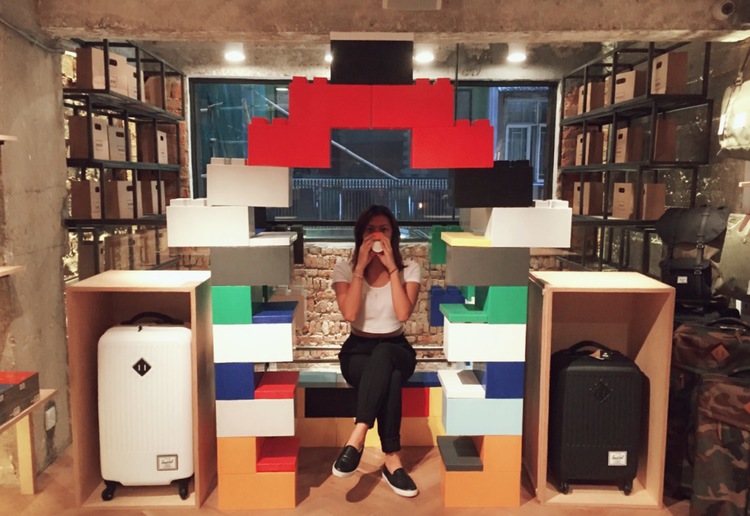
[372, 439]
[317, 432]
[499, 452]
[436, 402]
[236, 455]
[481, 488]
[344, 427]
[464, 239]
[258, 491]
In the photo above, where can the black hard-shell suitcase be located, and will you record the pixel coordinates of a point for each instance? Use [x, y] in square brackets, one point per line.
[598, 408]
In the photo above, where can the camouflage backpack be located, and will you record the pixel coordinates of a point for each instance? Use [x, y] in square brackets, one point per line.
[722, 474]
[719, 347]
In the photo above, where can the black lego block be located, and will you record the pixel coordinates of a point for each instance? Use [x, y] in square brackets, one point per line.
[330, 402]
[372, 62]
[508, 184]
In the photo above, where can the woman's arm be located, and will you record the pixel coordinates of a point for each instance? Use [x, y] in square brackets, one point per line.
[349, 295]
[404, 296]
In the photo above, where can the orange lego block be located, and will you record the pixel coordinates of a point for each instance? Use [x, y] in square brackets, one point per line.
[499, 452]
[415, 402]
[258, 491]
[237, 455]
[318, 432]
[481, 488]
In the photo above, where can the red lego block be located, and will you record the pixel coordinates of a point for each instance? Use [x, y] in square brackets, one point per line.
[278, 454]
[459, 146]
[277, 385]
[415, 402]
[339, 106]
[284, 144]
[419, 105]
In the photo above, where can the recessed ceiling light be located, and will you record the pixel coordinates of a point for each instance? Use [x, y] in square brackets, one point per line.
[424, 56]
[329, 58]
[516, 52]
[235, 52]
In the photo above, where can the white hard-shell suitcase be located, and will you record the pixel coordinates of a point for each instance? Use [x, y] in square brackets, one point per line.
[145, 404]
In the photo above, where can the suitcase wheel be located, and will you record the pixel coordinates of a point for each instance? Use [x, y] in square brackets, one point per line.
[563, 487]
[182, 486]
[627, 487]
[109, 492]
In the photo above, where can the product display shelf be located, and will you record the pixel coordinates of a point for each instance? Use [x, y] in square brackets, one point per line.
[618, 115]
[626, 311]
[105, 300]
[128, 111]
[7, 270]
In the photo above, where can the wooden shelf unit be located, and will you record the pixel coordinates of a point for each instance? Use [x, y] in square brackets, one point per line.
[626, 311]
[105, 300]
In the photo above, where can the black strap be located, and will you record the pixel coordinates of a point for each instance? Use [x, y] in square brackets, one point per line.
[700, 243]
[589, 344]
[159, 317]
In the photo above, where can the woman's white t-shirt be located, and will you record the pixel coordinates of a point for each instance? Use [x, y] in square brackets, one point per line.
[376, 313]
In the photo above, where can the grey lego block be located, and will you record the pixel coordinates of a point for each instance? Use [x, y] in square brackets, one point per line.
[262, 265]
[487, 266]
[459, 453]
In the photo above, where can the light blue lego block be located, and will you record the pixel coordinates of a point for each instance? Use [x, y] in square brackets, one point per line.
[477, 416]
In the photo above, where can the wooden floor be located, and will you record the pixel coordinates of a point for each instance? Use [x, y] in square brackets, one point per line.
[319, 493]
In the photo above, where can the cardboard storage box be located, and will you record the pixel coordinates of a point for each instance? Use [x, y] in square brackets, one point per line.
[594, 97]
[116, 139]
[151, 190]
[594, 148]
[154, 92]
[90, 70]
[669, 74]
[629, 85]
[78, 131]
[623, 202]
[593, 193]
[85, 200]
[152, 149]
[88, 256]
[653, 201]
[629, 145]
[119, 200]
[665, 141]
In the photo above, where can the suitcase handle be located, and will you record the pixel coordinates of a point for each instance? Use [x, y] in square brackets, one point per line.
[576, 348]
[730, 323]
[160, 318]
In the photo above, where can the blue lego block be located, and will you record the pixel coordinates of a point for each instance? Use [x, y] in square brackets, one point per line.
[501, 380]
[235, 381]
[440, 295]
[424, 379]
[275, 313]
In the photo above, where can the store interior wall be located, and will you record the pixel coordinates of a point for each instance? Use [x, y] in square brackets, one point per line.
[32, 199]
[33, 192]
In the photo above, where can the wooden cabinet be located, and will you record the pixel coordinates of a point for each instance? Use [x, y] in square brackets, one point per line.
[105, 300]
[626, 311]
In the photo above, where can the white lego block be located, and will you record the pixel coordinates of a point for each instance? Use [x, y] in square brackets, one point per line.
[530, 227]
[472, 416]
[209, 226]
[253, 343]
[185, 201]
[481, 342]
[241, 185]
[273, 238]
[255, 418]
[460, 383]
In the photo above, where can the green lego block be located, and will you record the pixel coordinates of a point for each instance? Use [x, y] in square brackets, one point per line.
[503, 305]
[469, 292]
[461, 313]
[437, 246]
[234, 304]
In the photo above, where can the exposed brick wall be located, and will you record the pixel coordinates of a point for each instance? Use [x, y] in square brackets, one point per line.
[324, 326]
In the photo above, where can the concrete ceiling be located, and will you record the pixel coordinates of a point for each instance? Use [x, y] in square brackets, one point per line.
[294, 34]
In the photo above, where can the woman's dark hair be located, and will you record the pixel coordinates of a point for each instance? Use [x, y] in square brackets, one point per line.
[361, 224]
